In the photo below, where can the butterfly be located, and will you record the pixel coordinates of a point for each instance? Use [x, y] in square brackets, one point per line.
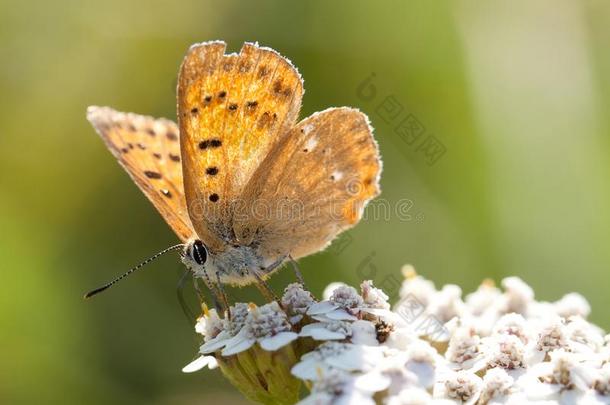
[244, 186]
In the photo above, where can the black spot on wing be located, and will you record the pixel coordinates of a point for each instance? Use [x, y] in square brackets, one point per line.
[245, 66]
[171, 136]
[152, 175]
[280, 91]
[266, 120]
[210, 143]
[251, 106]
[263, 71]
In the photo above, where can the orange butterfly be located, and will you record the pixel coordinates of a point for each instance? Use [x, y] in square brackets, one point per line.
[244, 186]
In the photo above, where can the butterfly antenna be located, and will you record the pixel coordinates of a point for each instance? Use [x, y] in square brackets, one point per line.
[139, 266]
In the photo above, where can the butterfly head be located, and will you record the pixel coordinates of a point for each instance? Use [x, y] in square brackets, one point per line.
[195, 255]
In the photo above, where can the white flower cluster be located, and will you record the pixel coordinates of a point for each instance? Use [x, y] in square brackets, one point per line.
[433, 347]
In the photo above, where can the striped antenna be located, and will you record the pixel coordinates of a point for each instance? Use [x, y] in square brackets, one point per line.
[139, 266]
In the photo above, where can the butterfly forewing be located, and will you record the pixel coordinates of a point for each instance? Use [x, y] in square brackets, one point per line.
[232, 110]
[149, 150]
[313, 185]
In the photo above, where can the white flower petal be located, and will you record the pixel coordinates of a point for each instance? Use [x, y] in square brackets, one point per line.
[425, 373]
[583, 376]
[372, 382]
[478, 363]
[200, 325]
[238, 344]
[311, 326]
[340, 315]
[529, 383]
[310, 369]
[322, 318]
[321, 308]
[353, 397]
[357, 357]
[275, 342]
[583, 398]
[215, 344]
[533, 356]
[364, 333]
[401, 338]
[318, 331]
[324, 334]
[199, 363]
[383, 313]
[414, 396]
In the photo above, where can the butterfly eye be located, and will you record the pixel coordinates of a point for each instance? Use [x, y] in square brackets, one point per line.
[199, 252]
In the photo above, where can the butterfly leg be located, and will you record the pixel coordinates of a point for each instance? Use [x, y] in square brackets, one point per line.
[198, 290]
[223, 295]
[213, 293]
[180, 293]
[264, 288]
[262, 285]
[297, 271]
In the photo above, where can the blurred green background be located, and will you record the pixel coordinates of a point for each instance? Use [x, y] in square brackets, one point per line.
[516, 94]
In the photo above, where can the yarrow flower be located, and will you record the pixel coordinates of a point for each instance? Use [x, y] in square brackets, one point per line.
[462, 386]
[346, 304]
[343, 304]
[464, 349]
[217, 332]
[267, 325]
[296, 301]
[497, 386]
[496, 346]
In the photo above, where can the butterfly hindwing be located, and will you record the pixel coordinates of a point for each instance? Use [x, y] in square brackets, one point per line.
[312, 186]
[232, 110]
[149, 150]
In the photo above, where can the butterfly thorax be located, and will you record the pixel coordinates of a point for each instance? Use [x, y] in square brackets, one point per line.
[233, 266]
